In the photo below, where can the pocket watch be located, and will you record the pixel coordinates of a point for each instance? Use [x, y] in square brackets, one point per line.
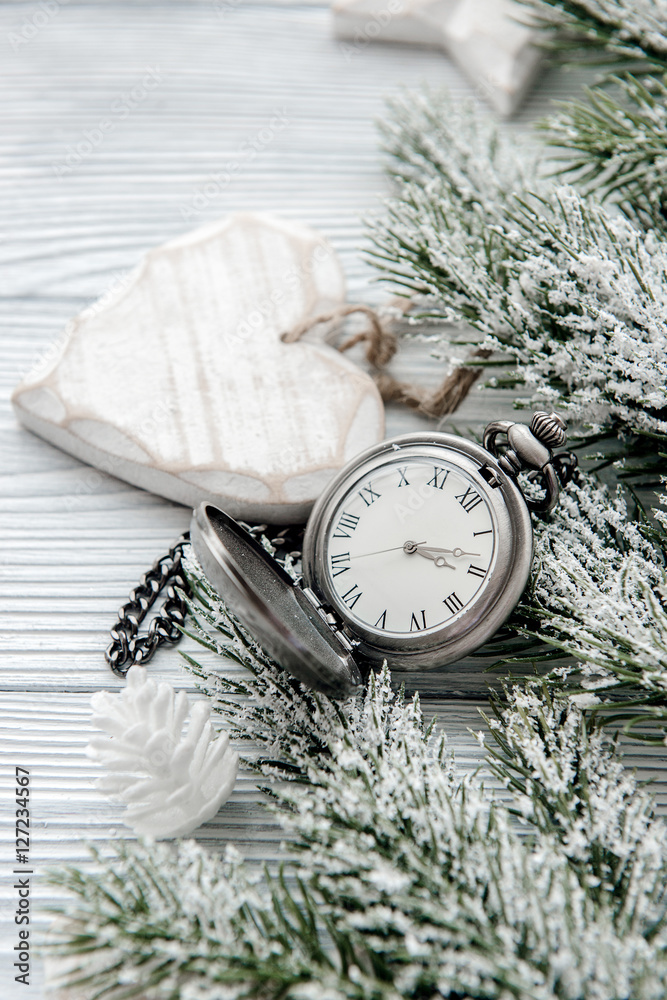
[415, 553]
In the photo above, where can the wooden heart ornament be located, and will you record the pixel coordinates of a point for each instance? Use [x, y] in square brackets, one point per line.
[181, 384]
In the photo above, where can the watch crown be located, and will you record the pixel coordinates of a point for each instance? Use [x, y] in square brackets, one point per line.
[549, 429]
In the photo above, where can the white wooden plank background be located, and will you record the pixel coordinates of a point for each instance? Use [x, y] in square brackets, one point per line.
[74, 542]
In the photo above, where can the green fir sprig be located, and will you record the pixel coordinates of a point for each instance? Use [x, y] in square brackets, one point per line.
[403, 878]
[614, 146]
[576, 296]
[598, 595]
[172, 921]
[629, 34]
[613, 141]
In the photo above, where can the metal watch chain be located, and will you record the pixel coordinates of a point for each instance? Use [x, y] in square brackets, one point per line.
[166, 574]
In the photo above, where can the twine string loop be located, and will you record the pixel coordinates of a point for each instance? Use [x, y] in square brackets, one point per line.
[381, 346]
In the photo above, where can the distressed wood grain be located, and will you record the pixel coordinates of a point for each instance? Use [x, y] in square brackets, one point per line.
[74, 221]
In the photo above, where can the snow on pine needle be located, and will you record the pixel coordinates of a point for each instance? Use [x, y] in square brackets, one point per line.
[403, 879]
[431, 877]
[157, 921]
[614, 146]
[616, 33]
[599, 594]
[576, 296]
[614, 139]
[563, 775]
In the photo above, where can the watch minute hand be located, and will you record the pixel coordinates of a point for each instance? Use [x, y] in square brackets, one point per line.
[408, 547]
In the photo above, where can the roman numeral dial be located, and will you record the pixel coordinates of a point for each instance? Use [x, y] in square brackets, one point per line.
[368, 495]
[410, 546]
[340, 563]
[469, 500]
[439, 478]
[453, 603]
[347, 523]
[352, 596]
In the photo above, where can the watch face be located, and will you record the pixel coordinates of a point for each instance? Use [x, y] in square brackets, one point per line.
[422, 546]
[410, 546]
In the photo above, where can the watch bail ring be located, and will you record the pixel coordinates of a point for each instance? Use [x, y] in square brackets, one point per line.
[551, 488]
[531, 448]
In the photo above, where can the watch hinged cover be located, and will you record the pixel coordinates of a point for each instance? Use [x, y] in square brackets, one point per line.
[284, 619]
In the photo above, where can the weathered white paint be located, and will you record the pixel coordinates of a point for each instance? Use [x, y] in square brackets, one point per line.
[178, 382]
[486, 39]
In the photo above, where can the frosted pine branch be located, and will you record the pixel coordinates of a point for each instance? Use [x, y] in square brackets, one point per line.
[436, 884]
[625, 32]
[408, 881]
[615, 147]
[615, 140]
[404, 878]
[562, 775]
[160, 921]
[288, 722]
[454, 180]
[576, 296]
[599, 594]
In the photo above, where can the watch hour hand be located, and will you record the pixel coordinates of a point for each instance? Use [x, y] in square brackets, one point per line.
[429, 552]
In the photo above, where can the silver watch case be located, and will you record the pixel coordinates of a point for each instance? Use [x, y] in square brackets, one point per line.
[508, 575]
[288, 621]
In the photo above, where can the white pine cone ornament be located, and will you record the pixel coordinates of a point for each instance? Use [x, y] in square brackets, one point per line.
[171, 781]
